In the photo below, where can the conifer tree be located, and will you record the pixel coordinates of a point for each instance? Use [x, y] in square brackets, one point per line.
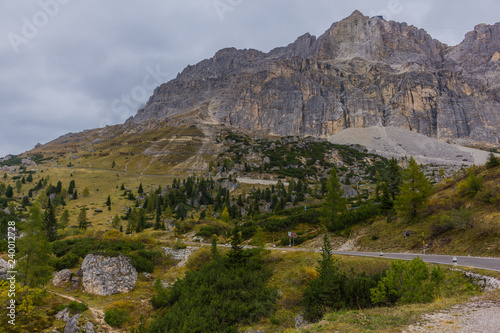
[9, 192]
[116, 221]
[394, 179]
[34, 249]
[83, 222]
[86, 191]
[140, 190]
[493, 161]
[334, 202]
[415, 190]
[50, 222]
[64, 220]
[158, 219]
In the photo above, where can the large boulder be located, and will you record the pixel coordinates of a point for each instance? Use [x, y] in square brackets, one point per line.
[61, 278]
[108, 275]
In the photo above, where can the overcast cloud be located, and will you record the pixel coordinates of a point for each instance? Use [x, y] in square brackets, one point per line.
[70, 65]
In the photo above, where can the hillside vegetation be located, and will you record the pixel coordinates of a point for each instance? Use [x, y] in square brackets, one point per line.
[67, 210]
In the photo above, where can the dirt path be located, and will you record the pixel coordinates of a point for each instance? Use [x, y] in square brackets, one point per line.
[98, 314]
[481, 314]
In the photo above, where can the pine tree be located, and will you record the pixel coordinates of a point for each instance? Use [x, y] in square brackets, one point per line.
[215, 252]
[116, 221]
[50, 222]
[141, 225]
[64, 220]
[83, 222]
[334, 202]
[75, 195]
[158, 219]
[108, 201]
[30, 178]
[58, 187]
[140, 190]
[34, 249]
[394, 179]
[493, 161]
[225, 215]
[71, 187]
[86, 191]
[9, 192]
[415, 190]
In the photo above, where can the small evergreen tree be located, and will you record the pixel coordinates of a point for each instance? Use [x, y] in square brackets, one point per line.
[64, 220]
[116, 221]
[9, 191]
[334, 202]
[493, 161]
[50, 222]
[415, 190]
[140, 190]
[86, 191]
[83, 222]
[394, 179]
[34, 249]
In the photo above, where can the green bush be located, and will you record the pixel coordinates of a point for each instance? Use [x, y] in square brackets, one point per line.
[116, 317]
[67, 261]
[207, 231]
[334, 289]
[77, 307]
[142, 264]
[470, 186]
[408, 282]
[223, 293]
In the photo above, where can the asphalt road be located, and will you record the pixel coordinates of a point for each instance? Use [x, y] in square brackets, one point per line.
[492, 264]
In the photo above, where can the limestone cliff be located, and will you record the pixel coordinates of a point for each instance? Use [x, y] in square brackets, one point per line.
[361, 72]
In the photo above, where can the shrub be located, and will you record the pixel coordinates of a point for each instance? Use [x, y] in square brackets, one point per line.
[199, 258]
[142, 264]
[207, 231]
[470, 186]
[77, 307]
[222, 294]
[116, 317]
[68, 261]
[408, 282]
[179, 245]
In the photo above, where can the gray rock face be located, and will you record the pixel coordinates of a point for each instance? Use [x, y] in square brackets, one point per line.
[180, 254]
[300, 321]
[61, 278]
[72, 324]
[88, 327]
[63, 315]
[487, 283]
[362, 72]
[108, 275]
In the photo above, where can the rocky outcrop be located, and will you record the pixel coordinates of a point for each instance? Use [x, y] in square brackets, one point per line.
[61, 278]
[487, 283]
[361, 72]
[108, 275]
[180, 254]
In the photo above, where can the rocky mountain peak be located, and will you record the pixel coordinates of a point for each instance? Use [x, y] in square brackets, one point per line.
[361, 72]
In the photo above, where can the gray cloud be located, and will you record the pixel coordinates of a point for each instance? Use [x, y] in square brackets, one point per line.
[72, 64]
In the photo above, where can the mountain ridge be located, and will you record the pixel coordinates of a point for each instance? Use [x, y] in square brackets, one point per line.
[361, 72]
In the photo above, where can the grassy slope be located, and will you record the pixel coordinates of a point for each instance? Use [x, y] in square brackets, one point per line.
[481, 238]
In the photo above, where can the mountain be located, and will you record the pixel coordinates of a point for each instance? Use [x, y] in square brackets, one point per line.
[362, 72]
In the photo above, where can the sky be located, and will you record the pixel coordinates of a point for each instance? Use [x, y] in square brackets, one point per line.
[71, 65]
